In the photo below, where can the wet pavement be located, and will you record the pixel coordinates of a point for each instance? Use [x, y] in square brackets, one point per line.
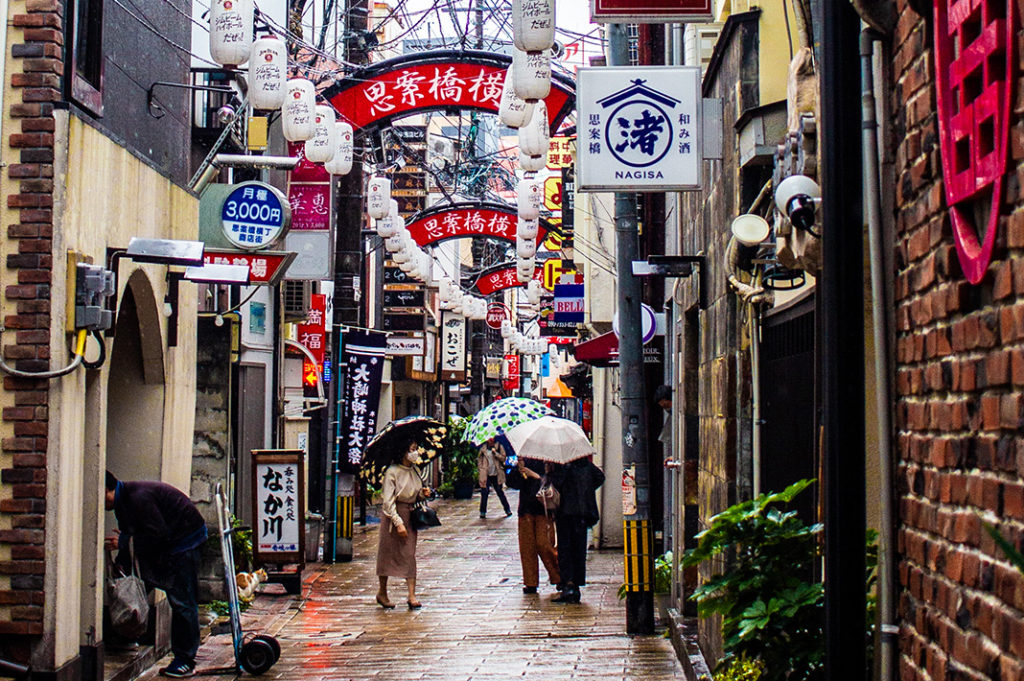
[475, 624]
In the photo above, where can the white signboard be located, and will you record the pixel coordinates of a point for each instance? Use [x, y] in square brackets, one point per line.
[453, 344]
[639, 128]
[277, 508]
[406, 345]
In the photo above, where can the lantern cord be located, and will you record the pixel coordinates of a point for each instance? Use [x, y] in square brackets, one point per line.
[236, 308]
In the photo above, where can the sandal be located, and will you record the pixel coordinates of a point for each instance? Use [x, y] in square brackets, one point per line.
[387, 605]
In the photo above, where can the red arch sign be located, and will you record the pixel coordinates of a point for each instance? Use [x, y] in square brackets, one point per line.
[434, 81]
[468, 219]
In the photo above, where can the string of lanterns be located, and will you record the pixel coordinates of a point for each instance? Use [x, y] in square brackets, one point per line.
[330, 142]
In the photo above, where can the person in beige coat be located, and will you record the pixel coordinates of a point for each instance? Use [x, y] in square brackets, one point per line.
[490, 465]
[396, 543]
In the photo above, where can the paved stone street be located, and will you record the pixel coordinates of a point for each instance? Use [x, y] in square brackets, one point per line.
[475, 623]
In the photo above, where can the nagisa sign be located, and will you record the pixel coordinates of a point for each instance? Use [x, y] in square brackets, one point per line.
[443, 80]
[639, 129]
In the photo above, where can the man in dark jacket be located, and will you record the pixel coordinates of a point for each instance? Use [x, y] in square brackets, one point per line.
[576, 482]
[166, 532]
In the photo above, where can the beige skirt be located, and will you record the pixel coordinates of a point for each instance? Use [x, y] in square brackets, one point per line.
[396, 557]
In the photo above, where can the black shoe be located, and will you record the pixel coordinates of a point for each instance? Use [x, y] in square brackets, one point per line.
[529, 589]
[508, 514]
[483, 515]
[178, 670]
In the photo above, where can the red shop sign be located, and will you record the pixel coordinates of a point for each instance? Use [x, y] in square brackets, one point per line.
[265, 267]
[975, 67]
[501, 278]
[467, 220]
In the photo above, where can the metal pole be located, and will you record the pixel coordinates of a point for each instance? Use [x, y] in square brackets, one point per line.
[638, 534]
[841, 288]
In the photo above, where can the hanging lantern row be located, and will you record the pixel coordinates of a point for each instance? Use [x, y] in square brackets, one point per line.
[534, 289]
[454, 299]
[231, 44]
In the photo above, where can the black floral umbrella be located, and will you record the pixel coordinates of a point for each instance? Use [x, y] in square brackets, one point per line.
[385, 445]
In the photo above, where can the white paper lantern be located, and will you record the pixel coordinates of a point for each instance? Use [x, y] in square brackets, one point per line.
[527, 229]
[533, 291]
[405, 254]
[535, 136]
[506, 328]
[524, 269]
[512, 110]
[321, 147]
[533, 24]
[531, 74]
[393, 244]
[378, 197]
[526, 248]
[529, 196]
[297, 122]
[268, 63]
[230, 31]
[457, 301]
[532, 164]
[341, 164]
[388, 225]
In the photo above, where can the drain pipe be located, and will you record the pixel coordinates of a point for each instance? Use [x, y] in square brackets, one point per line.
[886, 628]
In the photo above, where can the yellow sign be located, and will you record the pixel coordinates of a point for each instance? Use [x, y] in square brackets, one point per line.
[560, 152]
[553, 240]
[553, 193]
[553, 272]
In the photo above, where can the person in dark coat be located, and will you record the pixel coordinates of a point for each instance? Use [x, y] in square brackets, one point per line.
[165, 530]
[576, 482]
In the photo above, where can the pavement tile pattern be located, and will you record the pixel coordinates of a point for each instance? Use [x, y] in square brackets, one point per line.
[475, 624]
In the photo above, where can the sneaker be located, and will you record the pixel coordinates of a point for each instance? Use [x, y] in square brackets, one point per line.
[178, 670]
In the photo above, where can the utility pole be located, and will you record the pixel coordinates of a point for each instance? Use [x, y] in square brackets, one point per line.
[348, 266]
[637, 530]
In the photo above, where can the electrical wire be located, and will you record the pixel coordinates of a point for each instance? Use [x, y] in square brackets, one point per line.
[46, 375]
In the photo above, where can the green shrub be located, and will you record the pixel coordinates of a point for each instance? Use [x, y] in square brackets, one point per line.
[459, 458]
[741, 668]
[662, 576]
[770, 606]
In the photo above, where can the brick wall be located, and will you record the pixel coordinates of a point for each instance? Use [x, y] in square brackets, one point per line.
[35, 39]
[960, 404]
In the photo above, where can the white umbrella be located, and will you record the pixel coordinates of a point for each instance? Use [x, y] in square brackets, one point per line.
[550, 438]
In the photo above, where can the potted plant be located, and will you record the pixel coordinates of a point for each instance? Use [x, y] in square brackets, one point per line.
[460, 470]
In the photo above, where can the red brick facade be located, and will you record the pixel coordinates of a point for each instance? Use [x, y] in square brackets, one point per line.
[960, 398]
[36, 81]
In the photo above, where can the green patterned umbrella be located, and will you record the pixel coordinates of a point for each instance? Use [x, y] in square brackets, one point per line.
[502, 416]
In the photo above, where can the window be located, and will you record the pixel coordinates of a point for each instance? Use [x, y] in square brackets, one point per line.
[85, 27]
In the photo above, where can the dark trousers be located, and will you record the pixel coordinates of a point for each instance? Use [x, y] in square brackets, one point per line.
[492, 481]
[182, 594]
[572, 549]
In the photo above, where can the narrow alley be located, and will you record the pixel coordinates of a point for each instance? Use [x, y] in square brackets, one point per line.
[475, 623]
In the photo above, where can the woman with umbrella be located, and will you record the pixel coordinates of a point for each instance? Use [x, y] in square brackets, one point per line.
[567, 450]
[402, 487]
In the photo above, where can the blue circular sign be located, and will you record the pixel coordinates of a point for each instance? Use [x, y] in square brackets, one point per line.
[255, 215]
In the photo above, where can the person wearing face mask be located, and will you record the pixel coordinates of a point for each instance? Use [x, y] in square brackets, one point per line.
[396, 545]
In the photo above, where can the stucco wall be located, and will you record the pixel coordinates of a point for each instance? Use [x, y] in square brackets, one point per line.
[106, 196]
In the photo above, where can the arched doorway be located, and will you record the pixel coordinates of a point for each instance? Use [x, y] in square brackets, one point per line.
[135, 387]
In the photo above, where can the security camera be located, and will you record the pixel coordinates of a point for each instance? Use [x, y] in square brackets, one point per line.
[798, 197]
[225, 114]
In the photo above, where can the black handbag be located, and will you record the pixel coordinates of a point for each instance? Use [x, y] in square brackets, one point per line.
[423, 517]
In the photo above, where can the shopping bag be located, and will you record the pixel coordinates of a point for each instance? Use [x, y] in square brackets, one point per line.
[128, 604]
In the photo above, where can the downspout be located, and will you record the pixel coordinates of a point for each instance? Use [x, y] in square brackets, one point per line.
[887, 630]
[755, 389]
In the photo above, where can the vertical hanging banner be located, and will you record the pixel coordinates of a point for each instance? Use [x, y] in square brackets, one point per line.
[278, 506]
[511, 383]
[453, 348]
[362, 356]
[311, 333]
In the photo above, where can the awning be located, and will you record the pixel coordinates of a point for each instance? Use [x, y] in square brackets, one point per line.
[559, 389]
[601, 351]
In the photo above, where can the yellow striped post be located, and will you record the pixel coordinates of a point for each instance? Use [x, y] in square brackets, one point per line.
[637, 555]
[346, 515]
